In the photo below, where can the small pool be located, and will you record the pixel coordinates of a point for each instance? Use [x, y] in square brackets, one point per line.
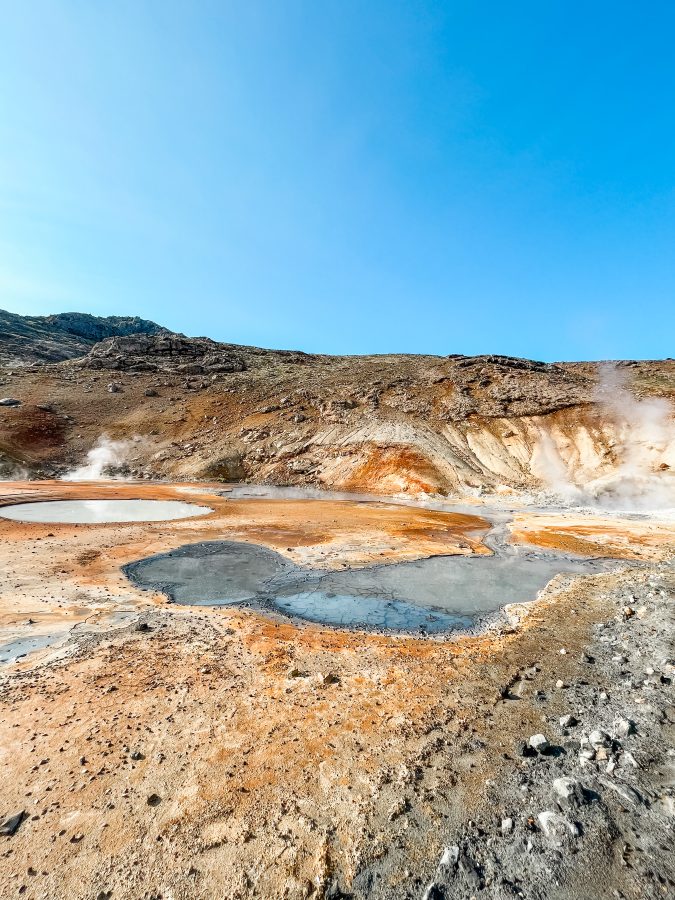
[438, 594]
[92, 512]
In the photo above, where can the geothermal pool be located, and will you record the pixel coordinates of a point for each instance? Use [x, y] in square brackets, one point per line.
[92, 512]
[438, 594]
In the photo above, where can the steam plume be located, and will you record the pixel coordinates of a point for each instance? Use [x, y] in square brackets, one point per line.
[643, 453]
[103, 456]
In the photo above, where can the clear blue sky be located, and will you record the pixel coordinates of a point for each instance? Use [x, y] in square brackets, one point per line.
[457, 177]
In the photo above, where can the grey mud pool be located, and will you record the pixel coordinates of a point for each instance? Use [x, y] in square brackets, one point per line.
[426, 596]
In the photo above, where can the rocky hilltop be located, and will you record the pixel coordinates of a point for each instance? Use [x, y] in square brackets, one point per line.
[195, 408]
[48, 339]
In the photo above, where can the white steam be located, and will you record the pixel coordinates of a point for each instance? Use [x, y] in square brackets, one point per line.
[103, 457]
[642, 454]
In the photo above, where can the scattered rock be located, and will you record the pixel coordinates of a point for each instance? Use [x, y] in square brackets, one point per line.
[569, 790]
[598, 738]
[624, 727]
[624, 791]
[539, 743]
[556, 827]
[450, 857]
[568, 721]
[434, 892]
[11, 825]
[10, 401]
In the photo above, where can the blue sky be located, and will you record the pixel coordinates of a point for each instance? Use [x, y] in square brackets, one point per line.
[348, 177]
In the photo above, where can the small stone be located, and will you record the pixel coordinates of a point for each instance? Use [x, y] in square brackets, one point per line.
[398, 809]
[151, 392]
[624, 727]
[154, 800]
[297, 673]
[598, 738]
[628, 612]
[623, 790]
[539, 743]
[114, 388]
[507, 825]
[568, 721]
[10, 401]
[11, 825]
[556, 827]
[136, 755]
[560, 684]
[450, 857]
[76, 838]
[569, 789]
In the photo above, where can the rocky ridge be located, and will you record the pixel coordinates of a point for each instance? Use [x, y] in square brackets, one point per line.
[48, 339]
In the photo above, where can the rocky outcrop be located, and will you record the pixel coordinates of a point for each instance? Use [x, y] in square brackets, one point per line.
[164, 352]
[46, 339]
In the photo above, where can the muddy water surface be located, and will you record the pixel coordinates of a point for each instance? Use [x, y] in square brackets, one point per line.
[438, 594]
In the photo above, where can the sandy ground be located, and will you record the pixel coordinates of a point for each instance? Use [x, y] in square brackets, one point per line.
[219, 753]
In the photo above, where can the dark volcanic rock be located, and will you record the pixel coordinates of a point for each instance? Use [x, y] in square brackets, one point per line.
[47, 339]
[165, 352]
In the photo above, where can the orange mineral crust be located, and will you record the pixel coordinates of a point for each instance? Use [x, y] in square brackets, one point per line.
[597, 535]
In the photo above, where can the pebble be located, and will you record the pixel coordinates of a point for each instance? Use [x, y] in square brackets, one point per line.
[568, 721]
[598, 738]
[507, 826]
[569, 789]
[450, 857]
[539, 743]
[555, 826]
[624, 727]
[11, 825]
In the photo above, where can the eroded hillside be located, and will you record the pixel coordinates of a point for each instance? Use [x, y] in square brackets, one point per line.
[194, 408]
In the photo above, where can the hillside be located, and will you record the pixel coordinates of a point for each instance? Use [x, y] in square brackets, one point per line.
[48, 339]
[193, 408]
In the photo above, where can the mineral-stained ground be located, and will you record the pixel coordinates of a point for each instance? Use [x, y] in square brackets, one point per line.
[154, 750]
